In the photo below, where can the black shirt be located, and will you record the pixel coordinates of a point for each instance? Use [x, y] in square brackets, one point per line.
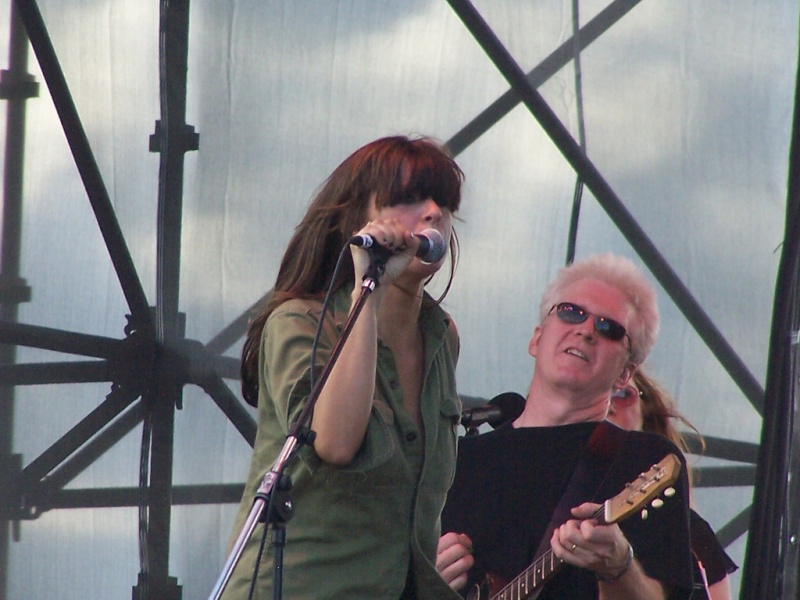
[716, 562]
[509, 481]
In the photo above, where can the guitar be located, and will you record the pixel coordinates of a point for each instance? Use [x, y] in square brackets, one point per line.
[637, 493]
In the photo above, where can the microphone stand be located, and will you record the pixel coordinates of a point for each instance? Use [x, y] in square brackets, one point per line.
[280, 508]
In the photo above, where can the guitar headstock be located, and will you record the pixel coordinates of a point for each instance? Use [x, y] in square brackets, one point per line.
[644, 488]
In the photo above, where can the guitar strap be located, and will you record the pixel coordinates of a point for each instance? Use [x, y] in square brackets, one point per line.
[594, 463]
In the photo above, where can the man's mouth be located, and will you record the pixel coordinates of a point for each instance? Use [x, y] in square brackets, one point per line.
[578, 353]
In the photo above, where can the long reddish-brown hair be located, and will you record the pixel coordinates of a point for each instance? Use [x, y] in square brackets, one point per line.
[394, 170]
[659, 413]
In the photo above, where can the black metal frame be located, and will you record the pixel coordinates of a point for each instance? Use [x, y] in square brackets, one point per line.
[150, 365]
[772, 563]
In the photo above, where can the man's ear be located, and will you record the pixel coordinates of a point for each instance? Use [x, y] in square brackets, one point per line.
[626, 375]
[533, 345]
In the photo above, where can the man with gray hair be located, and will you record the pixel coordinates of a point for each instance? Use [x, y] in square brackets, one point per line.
[530, 489]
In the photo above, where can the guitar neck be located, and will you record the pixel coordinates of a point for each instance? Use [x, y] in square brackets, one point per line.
[528, 584]
[530, 581]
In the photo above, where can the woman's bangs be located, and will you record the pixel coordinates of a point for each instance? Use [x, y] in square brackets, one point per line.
[433, 176]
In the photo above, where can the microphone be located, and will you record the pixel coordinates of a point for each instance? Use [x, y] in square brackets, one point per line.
[431, 245]
[501, 409]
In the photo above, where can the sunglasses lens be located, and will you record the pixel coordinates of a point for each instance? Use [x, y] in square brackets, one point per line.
[610, 329]
[626, 395]
[571, 313]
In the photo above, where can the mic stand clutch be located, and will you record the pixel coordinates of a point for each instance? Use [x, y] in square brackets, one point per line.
[279, 508]
[273, 505]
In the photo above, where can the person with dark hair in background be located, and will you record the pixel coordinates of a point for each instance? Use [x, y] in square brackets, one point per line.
[644, 405]
[531, 488]
[369, 492]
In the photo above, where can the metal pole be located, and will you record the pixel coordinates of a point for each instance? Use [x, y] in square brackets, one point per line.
[16, 86]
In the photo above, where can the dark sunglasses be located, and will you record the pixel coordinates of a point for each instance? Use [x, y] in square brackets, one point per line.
[574, 314]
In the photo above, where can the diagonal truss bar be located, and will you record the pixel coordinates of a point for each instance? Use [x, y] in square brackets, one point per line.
[232, 408]
[112, 406]
[611, 203]
[735, 528]
[120, 256]
[234, 330]
[94, 449]
[204, 371]
[226, 367]
[562, 56]
[231, 334]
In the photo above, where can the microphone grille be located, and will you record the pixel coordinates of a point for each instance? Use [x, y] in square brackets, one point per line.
[436, 248]
[510, 404]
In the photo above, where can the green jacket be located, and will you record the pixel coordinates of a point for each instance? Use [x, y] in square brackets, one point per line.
[356, 530]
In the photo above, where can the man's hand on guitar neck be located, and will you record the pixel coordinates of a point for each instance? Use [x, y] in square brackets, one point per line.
[454, 559]
[603, 549]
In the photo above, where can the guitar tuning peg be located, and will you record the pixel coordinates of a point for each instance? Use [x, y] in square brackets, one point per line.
[669, 492]
[657, 503]
[645, 514]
